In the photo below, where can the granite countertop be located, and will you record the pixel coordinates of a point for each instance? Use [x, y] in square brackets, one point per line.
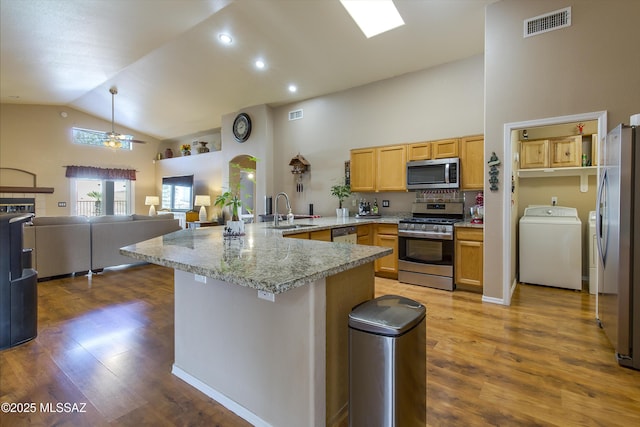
[261, 259]
[468, 224]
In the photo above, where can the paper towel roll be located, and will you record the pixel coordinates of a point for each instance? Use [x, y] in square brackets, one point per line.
[635, 120]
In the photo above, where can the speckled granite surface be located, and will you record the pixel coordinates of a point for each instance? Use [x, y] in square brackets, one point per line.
[468, 224]
[262, 259]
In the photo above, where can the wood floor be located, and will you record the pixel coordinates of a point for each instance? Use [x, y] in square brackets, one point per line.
[107, 341]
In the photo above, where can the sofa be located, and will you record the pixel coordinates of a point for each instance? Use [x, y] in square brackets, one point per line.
[78, 244]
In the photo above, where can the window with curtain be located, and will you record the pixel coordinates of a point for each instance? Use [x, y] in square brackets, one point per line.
[100, 191]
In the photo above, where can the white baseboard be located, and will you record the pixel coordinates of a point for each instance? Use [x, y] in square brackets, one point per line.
[492, 300]
[228, 403]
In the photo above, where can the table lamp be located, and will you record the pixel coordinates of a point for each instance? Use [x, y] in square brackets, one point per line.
[152, 201]
[203, 201]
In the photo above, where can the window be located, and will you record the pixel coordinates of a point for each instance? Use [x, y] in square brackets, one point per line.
[95, 197]
[177, 193]
[97, 138]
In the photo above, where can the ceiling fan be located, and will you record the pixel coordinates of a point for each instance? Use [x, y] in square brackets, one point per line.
[113, 139]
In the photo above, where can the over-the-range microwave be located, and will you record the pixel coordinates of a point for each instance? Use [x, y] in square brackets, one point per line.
[433, 174]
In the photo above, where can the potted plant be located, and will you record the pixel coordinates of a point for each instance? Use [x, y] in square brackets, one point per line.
[235, 226]
[341, 191]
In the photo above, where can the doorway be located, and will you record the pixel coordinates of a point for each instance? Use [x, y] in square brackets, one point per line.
[242, 176]
[513, 132]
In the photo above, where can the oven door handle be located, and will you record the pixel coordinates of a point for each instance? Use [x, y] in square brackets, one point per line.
[426, 235]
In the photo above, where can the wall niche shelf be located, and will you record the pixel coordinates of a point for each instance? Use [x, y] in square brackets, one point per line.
[582, 172]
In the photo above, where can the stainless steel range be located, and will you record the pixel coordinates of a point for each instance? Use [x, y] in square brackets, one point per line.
[426, 245]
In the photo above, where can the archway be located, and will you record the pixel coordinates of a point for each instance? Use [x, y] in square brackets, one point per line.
[242, 175]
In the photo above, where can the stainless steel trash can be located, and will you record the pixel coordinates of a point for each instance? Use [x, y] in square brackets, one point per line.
[387, 363]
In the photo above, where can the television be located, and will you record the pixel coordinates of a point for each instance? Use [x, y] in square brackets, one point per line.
[177, 193]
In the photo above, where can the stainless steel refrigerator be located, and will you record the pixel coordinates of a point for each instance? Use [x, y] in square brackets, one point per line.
[618, 230]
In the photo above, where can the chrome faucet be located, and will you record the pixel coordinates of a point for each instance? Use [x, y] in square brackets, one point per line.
[276, 215]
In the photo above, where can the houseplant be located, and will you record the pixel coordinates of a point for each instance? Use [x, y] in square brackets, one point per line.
[233, 199]
[341, 191]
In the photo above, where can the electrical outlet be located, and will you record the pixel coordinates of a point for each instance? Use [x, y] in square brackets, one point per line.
[269, 296]
[200, 278]
[554, 200]
[385, 203]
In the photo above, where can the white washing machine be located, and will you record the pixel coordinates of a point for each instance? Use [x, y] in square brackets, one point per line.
[551, 247]
[593, 254]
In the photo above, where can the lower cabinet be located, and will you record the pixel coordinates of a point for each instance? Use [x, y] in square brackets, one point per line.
[386, 235]
[364, 234]
[468, 268]
[298, 236]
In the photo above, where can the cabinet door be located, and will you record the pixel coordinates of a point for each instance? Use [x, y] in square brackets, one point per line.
[444, 148]
[387, 266]
[472, 162]
[298, 236]
[323, 235]
[534, 154]
[364, 234]
[392, 168]
[363, 169]
[419, 151]
[566, 152]
[468, 267]
[594, 149]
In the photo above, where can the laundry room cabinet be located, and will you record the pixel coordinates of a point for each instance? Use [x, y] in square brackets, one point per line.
[551, 153]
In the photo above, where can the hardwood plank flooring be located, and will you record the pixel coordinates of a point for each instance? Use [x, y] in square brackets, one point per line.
[107, 340]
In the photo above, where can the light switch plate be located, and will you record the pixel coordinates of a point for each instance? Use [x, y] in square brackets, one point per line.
[385, 203]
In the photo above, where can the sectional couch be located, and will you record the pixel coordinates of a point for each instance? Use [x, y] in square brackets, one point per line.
[77, 244]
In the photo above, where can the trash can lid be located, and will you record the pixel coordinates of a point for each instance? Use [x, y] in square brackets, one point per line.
[389, 315]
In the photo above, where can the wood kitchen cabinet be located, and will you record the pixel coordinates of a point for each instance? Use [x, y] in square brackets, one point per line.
[419, 151]
[551, 153]
[322, 235]
[431, 150]
[364, 234]
[565, 152]
[472, 162]
[298, 236]
[386, 235]
[468, 268]
[379, 169]
[534, 154]
[363, 170]
[391, 170]
[445, 148]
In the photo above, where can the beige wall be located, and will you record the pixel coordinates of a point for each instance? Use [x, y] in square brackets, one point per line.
[591, 66]
[37, 138]
[441, 102]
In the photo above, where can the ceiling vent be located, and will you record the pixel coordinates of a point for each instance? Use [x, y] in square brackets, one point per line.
[547, 22]
[295, 114]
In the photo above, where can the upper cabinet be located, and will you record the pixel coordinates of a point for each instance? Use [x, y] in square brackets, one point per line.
[444, 148]
[552, 153]
[430, 150]
[363, 169]
[534, 154]
[565, 152]
[391, 171]
[472, 162]
[379, 169]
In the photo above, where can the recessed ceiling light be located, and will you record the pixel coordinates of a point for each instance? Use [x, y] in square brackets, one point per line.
[225, 38]
[293, 88]
[373, 16]
[260, 64]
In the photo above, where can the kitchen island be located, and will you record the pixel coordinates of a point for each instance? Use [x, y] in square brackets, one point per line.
[261, 320]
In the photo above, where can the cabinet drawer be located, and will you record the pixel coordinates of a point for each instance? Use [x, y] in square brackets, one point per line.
[387, 229]
[468, 233]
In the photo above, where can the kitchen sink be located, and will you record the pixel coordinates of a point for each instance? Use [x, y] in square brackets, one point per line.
[289, 226]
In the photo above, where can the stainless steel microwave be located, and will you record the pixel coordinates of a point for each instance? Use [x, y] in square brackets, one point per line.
[430, 174]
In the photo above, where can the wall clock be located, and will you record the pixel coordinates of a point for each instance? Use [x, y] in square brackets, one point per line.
[242, 127]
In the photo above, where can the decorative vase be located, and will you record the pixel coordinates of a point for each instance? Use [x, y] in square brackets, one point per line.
[234, 229]
[342, 212]
[186, 153]
[168, 153]
[204, 148]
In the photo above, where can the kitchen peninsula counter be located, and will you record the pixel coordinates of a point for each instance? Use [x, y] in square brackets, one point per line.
[261, 321]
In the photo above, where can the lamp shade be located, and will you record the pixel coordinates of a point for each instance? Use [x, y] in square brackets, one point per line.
[151, 200]
[203, 201]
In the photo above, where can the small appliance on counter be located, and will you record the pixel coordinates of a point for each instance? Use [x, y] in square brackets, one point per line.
[477, 211]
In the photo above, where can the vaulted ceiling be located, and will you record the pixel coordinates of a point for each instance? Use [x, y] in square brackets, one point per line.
[175, 78]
